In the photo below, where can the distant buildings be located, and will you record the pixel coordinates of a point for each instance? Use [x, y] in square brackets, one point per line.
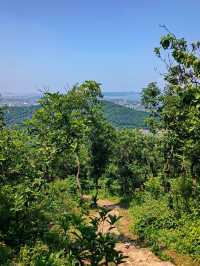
[132, 104]
[19, 101]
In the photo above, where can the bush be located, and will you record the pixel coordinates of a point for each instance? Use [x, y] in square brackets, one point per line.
[154, 187]
[188, 237]
[152, 215]
[161, 227]
[5, 254]
[40, 255]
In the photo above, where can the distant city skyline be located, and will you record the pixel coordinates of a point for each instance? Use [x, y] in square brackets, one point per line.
[55, 44]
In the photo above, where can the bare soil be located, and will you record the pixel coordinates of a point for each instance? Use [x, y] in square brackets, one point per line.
[137, 255]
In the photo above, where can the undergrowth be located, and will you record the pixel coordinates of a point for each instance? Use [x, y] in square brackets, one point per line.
[162, 227]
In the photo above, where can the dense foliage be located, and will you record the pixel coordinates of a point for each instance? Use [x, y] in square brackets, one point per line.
[43, 166]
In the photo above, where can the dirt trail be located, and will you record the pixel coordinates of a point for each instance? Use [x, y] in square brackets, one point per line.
[137, 256]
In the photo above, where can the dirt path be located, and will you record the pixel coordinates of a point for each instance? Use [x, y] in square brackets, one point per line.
[137, 256]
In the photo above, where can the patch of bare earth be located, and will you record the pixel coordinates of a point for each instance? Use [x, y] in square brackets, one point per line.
[137, 256]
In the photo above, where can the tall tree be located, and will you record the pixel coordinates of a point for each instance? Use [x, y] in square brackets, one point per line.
[63, 124]
[179, 110]
[102, 138]
[150, 98]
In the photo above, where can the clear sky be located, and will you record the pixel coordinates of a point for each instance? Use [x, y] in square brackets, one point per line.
[54, 44]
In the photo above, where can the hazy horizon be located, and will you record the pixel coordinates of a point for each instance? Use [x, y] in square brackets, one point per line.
[38, 94]
[54, 45]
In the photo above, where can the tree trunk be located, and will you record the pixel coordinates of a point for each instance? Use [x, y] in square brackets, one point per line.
[78, 177]
[95, 198]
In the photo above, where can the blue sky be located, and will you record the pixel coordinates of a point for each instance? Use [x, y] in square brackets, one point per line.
[54, 44]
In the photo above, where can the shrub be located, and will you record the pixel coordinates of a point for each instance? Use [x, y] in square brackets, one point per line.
[161, 227]
[154, 187]
[5, 254]
[40, 255]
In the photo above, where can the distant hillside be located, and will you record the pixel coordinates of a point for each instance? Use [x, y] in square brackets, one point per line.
[17, 114]
[119, 116]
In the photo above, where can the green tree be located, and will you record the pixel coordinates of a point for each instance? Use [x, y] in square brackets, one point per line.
[135, 157]
[150, 98]
[179, 110]
[102, 138]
